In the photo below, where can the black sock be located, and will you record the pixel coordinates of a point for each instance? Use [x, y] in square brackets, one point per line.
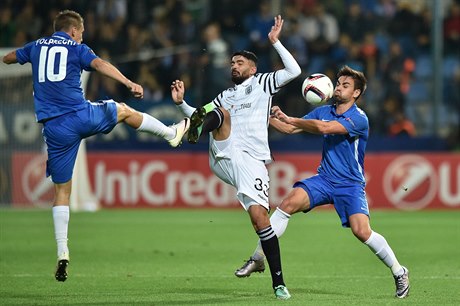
[271, 249]
[213, 120]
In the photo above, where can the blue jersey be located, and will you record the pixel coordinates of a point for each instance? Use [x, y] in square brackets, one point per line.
[57, 63]
[343, 155]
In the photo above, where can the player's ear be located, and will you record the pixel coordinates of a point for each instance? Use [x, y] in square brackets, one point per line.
[356, 93]
[253, 70]
[73, 32]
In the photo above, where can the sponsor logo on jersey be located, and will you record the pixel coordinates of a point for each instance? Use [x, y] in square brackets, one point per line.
[242, 106]
[351, 121]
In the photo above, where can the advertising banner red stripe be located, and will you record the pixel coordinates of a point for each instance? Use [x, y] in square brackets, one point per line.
[181, 179]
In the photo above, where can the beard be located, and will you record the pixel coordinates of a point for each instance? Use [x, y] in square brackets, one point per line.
[338, 98]
[238, 78]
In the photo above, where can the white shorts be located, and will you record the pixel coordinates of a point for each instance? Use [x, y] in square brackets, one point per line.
[248, 175]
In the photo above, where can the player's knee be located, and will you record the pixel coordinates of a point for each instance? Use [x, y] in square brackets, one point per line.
[261, 224]
[361, 232]
[227, 119]
[290, 207]
[259, 217]
[123, 111]
[225, 112]
[62, 193]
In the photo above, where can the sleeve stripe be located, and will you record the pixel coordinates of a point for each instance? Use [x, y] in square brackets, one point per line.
[269, 111]
[269, 83]
[217, 100]
[272, 83]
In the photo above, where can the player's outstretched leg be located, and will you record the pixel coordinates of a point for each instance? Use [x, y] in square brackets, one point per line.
[402, 284]
[250, 266]
[61, 269]
[196, 125]
[181, 128]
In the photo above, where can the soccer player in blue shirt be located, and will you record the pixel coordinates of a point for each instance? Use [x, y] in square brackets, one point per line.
[340, 179]
[67, 118]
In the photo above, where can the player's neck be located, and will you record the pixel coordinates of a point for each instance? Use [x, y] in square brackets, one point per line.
[341, 108]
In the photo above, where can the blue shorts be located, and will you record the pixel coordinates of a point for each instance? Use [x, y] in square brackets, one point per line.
[64, 133]
[349, 198]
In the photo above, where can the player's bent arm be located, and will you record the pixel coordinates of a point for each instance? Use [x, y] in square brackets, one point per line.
[109, 70]
[318, 126]
[186, 109]
[177, 95]
[282, 127]
[10, 58]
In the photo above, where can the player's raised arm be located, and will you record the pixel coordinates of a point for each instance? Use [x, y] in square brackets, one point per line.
[177, 94]
[291, 67]
[178, 91]
[276, 29]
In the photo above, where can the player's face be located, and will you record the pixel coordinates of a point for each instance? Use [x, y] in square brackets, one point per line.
[242, 69]
[345, 91]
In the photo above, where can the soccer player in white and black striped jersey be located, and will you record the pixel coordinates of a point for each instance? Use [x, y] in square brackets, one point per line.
[237, 123]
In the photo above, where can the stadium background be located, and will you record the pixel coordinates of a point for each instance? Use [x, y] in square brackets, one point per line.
[409, 51]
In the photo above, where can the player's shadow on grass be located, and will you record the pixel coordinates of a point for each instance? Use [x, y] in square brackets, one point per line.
[313, 292]
[217, 296]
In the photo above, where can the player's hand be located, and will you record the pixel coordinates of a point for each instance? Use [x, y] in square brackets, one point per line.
[177, 91]
[276, 29]
[277, 113]
[136, 89]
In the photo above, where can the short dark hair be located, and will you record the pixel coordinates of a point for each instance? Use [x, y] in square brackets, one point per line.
[67, 19]
[357, 76]
[247, 54]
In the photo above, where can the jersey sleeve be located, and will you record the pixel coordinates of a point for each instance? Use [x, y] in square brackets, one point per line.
[356, 125]
[87, 55]
[273, 81]
[23, 54]
[314, 114]
[291, 68]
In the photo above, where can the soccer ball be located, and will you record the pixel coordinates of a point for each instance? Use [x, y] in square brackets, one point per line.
[317, 88]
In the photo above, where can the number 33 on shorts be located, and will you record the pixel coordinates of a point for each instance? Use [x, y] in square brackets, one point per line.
[261, 186]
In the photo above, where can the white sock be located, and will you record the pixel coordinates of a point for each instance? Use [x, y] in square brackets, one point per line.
[279, 221]
[61, 216]
[156, 127]
[381, 248]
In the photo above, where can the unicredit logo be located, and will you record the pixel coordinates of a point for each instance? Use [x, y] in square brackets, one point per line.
[37, 187]
[410, 182]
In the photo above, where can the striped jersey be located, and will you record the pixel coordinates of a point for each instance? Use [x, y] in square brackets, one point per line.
[249, 106]
[343, 155]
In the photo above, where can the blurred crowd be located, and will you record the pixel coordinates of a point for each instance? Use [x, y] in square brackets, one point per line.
[154, 42]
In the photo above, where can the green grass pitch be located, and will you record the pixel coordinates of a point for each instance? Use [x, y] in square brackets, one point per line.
[187, 257]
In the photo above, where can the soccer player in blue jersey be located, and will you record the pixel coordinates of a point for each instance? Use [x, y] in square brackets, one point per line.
[340, 179]
[67, 118]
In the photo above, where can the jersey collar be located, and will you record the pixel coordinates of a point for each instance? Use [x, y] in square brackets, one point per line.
[62, 35]
[245, 82]
[351, 109]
